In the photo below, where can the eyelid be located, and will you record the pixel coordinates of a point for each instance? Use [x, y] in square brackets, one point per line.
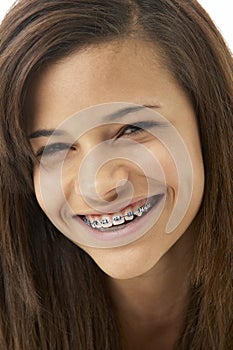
[42, 151]
[143, 125]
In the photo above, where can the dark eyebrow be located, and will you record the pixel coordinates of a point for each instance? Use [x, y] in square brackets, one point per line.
[46, 133]
[110, 117]
[124, 111]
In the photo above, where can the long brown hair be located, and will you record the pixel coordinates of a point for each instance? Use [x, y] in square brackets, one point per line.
[53, 295]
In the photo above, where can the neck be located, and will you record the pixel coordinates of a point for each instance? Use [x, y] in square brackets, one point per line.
[153, 305]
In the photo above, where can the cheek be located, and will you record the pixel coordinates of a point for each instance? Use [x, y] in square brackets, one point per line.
[49, 192]
[167, 164]
[183, 174]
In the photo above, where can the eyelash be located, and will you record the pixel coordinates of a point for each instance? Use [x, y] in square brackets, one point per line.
[139, 127]
[54, 148]
[136, 129]
[59, 146]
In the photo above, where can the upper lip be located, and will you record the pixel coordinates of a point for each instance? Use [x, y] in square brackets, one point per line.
[117, 208]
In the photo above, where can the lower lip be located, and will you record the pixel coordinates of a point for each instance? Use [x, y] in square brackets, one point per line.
[126, 232]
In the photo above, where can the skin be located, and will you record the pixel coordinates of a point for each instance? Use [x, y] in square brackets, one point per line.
[148, 279]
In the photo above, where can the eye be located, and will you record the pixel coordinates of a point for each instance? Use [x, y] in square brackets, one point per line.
[136, 128]
[131, 129]
[53, 149]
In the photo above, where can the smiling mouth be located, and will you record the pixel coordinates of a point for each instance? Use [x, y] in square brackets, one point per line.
[118, 221]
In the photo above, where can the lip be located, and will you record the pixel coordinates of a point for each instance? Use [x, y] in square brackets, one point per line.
[117, 208]
[127, 232]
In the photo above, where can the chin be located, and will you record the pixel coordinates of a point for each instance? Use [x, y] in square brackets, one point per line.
[126, 262]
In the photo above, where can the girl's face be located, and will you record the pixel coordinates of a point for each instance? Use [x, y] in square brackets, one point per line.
[124, 194]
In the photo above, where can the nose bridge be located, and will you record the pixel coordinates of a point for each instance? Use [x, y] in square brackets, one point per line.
[103, 175]
[89, 141]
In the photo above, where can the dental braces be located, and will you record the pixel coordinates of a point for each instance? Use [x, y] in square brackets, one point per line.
[117, 218]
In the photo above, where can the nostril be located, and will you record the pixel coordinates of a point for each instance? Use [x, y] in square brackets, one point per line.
[110, 196]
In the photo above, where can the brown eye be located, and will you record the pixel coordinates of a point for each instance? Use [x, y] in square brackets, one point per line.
[132, 129]
[54, 149]
[137, 128]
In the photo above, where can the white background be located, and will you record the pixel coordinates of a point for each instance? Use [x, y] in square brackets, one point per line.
[220, 11]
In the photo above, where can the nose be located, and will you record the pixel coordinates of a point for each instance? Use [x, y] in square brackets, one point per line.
[106, 188]
[111, 180]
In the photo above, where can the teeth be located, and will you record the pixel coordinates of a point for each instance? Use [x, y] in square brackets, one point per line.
[138, 211]
[117, 219]
[96, 223]
[147, 206]
[106, 222]
[128, 215]
[87, 221]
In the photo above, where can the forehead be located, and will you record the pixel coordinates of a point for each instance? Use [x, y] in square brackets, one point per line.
[126, 71]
